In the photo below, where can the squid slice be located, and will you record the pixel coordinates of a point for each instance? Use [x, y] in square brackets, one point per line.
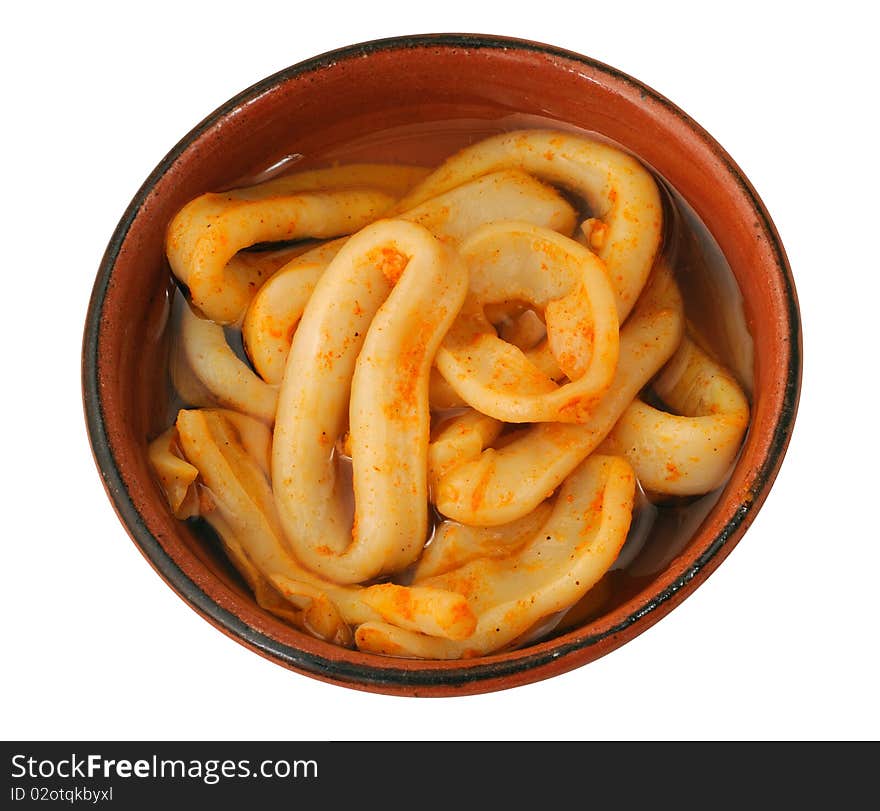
[557, 567]
[276, 309]
[506, 195]
[454, 545]
[626, 211]
[371, 328]
[513, 261]
[321, 618]
[251, 269]
[433, 611]
[503, 484]
[689, 454]
[234, 211]
[208, 231]
[241, 508]
[254, 435]
[176, 475]
[462, 437]
[221, 372]
[265, 593]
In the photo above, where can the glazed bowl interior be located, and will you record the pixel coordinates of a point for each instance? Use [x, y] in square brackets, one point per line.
[457, 88]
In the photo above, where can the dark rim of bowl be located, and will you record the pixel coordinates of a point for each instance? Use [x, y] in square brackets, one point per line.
[379, 677]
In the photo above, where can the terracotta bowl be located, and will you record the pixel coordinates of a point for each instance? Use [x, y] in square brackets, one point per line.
[349, 94]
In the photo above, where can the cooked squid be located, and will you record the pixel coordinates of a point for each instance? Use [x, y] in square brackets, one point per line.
[354, 347]
[205, 236]
[274, 312]
[626, 225]
[220, 372]
[513, 261]
[208, 232]
[508, 595]
[452, 388]
[690, 451]
[500, 485]
[455, 544]
[239, 504]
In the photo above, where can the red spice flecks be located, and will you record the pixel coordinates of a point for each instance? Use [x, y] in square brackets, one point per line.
[393, 263]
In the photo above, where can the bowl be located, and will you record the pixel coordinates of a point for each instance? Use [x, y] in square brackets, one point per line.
[369, 88]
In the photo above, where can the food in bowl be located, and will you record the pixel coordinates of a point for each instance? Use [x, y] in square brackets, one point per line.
[420, 407]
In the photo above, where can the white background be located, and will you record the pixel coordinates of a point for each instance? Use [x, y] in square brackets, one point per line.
[781, 642]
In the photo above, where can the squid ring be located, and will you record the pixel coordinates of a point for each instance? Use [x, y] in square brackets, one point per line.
[241, 509]
[208, 231]
[692, 453]
[501, 485]
[243, 272]
[371, 327]
[512, 261]
[627, 217]
[277, 307]
[221, 372]
[251, 269]
[551, 572]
